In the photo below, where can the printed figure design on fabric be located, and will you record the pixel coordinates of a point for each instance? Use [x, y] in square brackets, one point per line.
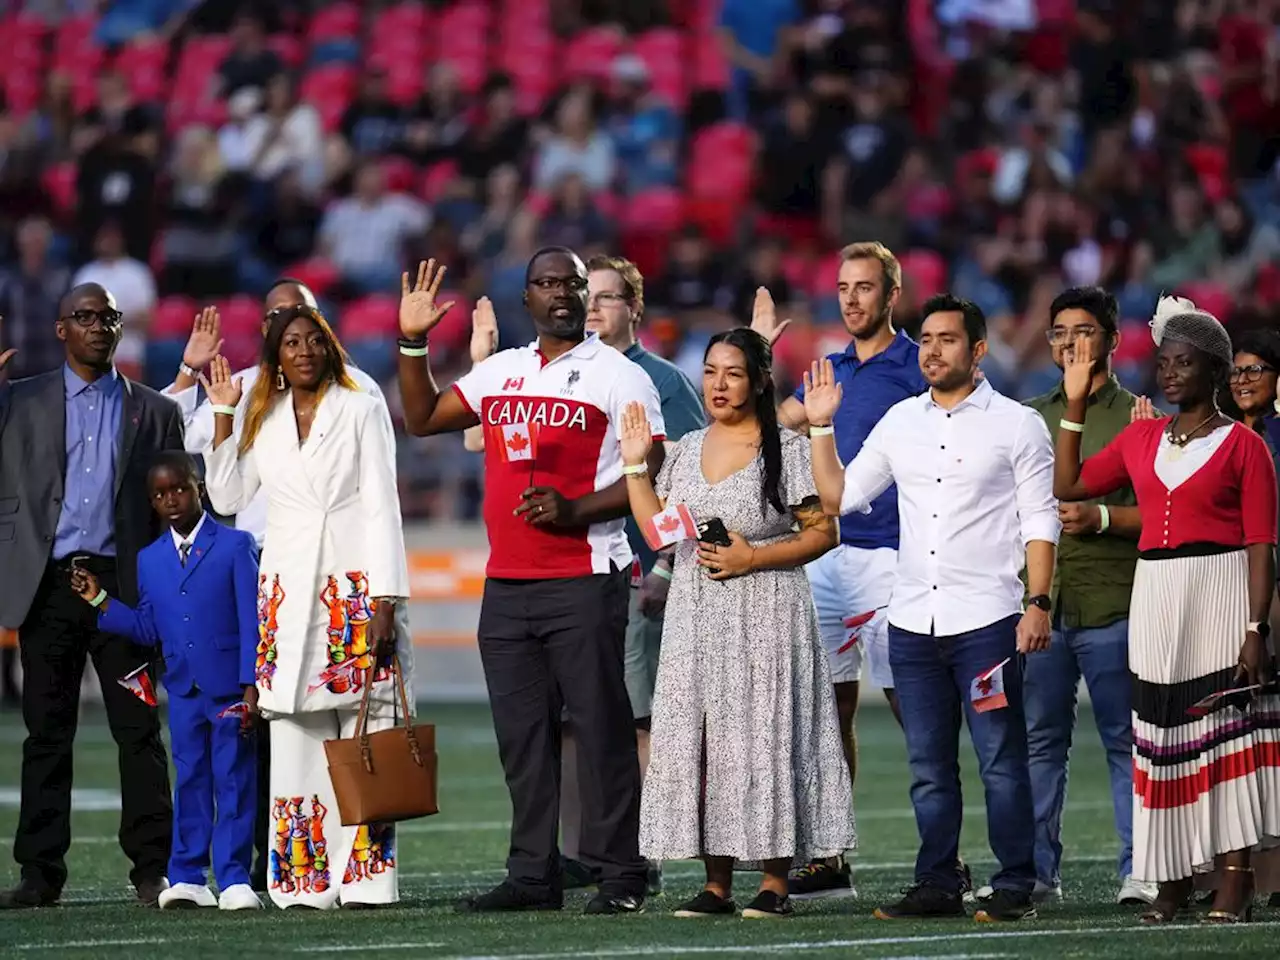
[300, 860]
[372, 852]
[268, 623]
[349, 655]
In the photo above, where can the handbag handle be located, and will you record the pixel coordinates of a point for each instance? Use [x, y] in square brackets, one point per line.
[362, 719]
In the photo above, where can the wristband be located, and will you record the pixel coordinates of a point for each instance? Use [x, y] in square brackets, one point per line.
[225, 409]
[100, 599]
[190, 371]
[663, 572]
[637, 470]
[821, 431]
[412, 351]
[1071, 425]
[1105, 514]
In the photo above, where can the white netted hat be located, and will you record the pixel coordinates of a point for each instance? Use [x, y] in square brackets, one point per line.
[1179, 320]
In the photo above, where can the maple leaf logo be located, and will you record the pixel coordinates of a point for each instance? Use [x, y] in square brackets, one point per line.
[859, 620]
[517, 442]
[985, 685]
[669, 524]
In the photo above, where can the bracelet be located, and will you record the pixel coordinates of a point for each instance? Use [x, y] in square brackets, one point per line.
[412, 351]
[663, 572]
[1071, 425]
[1105, 514]
[225, 409]
[821, 431]
[100, 599]
[190, 371]
[636, 470]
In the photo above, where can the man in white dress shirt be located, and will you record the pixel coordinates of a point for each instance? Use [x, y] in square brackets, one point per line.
[974, 472]
[203, 345]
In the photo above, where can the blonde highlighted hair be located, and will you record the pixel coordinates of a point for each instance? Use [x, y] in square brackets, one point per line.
[266, 392]
[875, 250]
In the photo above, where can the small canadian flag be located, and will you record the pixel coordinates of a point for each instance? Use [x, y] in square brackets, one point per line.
[519, 442]
[987, 689]
[139, 684]
[854, 625]
[670, 526]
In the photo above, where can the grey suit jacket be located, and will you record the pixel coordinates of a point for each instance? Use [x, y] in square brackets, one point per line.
[33, 463]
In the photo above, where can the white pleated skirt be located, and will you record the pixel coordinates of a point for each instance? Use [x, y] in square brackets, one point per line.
[1207, 786]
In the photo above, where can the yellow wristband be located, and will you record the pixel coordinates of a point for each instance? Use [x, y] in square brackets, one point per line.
[1105, 516]
[821, 431]
[635, 470]
[1071, 425]
[99, 600]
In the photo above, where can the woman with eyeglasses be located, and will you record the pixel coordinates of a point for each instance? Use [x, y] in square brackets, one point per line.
[333, 579]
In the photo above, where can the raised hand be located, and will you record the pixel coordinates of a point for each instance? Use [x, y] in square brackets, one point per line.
[1077, 369]
[1143, 409]
[764, 317]
[205, 340]
[635, 435]
[223, 391]
[418, 310]
[822, 393]
[484, 331]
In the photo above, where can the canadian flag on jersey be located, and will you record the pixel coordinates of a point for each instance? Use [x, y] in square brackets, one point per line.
[139, 684]
[519, 442]
[670, 526]
[987, 689]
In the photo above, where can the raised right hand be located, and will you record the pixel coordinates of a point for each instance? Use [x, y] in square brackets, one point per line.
[1077, 369]
[205, 340]
[484, 331]
[822, 393]
[635, 435]
[418, 310]
[764, 317]
[223, 391]
[1143, 409]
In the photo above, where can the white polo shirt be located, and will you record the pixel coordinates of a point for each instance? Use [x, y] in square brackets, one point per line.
[975, 485]
[554, 424]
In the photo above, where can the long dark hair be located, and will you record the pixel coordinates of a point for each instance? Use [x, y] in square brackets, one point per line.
[759, 362]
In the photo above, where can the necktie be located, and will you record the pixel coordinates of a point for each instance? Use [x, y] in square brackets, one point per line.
[183, 550]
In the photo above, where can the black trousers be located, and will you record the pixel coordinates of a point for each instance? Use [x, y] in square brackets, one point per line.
[547, 644]
[60, 632]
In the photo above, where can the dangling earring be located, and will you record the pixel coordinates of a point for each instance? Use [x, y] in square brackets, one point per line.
[280, 384]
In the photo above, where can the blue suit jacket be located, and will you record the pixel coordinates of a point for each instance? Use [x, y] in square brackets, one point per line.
[204, 616]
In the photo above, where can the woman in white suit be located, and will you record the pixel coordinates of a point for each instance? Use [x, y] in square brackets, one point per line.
[332, 591]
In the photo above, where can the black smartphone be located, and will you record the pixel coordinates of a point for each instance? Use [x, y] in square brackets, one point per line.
[713, 531]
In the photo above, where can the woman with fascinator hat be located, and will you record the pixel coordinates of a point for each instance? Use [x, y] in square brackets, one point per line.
[1207, 788]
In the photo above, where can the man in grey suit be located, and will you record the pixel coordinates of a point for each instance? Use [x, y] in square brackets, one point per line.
[75, 447]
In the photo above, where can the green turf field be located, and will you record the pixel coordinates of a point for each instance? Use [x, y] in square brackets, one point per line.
[463, 849]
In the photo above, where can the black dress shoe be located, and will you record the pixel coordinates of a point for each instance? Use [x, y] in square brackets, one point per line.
[506, 896]
[149, 890]
[27, 897]
[611, 904]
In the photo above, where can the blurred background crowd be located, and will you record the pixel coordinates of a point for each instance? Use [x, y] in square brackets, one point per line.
[185, 152]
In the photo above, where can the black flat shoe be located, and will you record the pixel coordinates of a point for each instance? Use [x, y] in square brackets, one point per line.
[27, 897]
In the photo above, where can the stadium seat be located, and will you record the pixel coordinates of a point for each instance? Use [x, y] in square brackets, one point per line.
[401, 174]
[317, 273]
[173, 318]
[330, 89]
[288, 48]
[338, 21]
[926, 271]
[59, 182]
[1208, 296]
[241, 317]
[436, 178]
[648, 222]
[590, 54]
[404, 19]
[370, 318]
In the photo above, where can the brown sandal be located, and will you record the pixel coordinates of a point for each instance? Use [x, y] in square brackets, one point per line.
[1245, 913]
[1166, 911]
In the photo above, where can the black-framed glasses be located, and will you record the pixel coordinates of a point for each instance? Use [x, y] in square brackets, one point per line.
[572, 284]
[1061, 335]
[1250, 374]
[109, 317]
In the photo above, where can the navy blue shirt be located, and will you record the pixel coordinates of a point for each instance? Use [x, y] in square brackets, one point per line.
[870, 389]
[682, 412]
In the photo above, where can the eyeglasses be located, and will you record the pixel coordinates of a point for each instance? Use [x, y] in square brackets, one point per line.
[607, 299]
[1250, 374]
[1061, 335]
[85, 319]
[572, 284]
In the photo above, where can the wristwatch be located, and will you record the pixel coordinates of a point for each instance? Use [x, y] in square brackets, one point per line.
[1261, 628]
[1042, 601]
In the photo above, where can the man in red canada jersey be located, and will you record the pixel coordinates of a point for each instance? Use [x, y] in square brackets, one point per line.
[554, 614]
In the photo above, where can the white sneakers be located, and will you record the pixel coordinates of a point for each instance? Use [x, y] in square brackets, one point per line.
[188, 896]
[1041, 893]
[1137, 891]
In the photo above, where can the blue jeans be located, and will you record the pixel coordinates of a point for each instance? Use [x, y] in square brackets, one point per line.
[932, 676]
[1101, 656]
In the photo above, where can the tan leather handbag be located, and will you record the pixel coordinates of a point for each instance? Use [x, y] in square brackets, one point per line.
[385, 776]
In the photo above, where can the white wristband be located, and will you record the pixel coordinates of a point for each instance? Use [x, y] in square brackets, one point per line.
[225, 409]
[821, 431]
[1105, 515]
[99, 600]
[662, 572]
[190, 371]
[413, 351]
[636, 470]
[1071, 425]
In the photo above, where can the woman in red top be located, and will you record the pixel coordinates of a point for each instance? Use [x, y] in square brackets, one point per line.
[1208, 789]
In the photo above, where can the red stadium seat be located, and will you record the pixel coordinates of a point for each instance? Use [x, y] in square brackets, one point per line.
[173, 318]
[289, 49]
[241, 317]
[339, 21]
[1210, 297]
[436, 178]
[330, 90]
[22, 91]
[590, 54]
[74, 34]
[371, 318]
[317, 273]
[401, 174]
[404, 19]
[722, 160]
[467, 17]
[59, 182]
[649, 221]
[926, 271]
[454, 331]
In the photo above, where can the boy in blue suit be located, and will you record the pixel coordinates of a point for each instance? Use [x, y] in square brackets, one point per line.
[197, 590]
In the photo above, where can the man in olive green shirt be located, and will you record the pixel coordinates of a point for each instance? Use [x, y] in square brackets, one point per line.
[1097, 556]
